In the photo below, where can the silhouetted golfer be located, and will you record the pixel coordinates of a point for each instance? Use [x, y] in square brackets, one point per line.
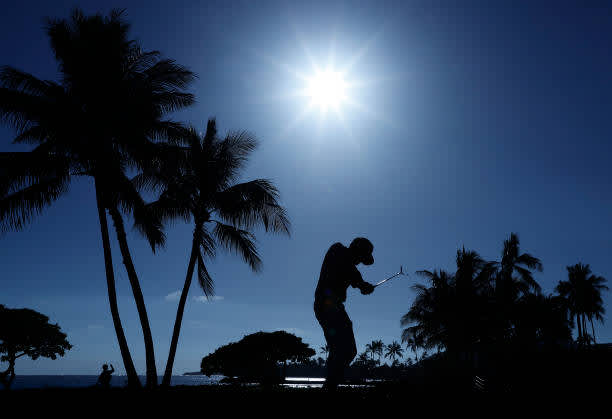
[105, 376]
[339, 270]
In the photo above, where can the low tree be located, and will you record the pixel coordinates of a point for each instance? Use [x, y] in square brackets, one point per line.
[25, 332]
[257, 356]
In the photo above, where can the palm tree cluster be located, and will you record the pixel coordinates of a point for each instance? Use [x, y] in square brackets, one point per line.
[498, 303]
[107, 119]
[378, 349]
[582, 290]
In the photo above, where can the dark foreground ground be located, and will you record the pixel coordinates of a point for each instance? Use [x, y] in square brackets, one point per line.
[414, 399]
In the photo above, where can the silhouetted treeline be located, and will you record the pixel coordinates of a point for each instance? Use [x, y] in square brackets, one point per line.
[491, 318]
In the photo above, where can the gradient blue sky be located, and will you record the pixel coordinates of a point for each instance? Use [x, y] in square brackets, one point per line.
[470, 122]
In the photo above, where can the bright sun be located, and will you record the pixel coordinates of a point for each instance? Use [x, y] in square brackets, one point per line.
[327, 89]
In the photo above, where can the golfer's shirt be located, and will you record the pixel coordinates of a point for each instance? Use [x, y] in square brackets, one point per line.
[337, 273]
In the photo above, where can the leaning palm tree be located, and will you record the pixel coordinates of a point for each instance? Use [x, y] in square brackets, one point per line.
[103, 119]
[202, 187]
[394, 350]
[583, 293]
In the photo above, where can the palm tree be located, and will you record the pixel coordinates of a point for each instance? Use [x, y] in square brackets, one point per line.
[513, 280]
[520, 263]
[394, 350]
[375, 348]
[430, 322]
[103, 119]
[453, 312]
[202, 187]
[583, 293]
[324, 349]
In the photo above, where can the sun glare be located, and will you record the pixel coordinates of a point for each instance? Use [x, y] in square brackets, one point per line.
[327, 89]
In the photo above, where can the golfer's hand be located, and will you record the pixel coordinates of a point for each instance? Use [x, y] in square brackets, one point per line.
[367, 288]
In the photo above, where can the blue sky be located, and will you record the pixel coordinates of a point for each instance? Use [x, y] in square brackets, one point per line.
[467, 123]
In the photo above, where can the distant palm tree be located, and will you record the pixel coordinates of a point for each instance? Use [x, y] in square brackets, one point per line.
[513, 261]
[583, 293]
[324, 349]
[101, 120]
[431, 320]
[363, 358]
[202, 187]
[376, 348]
[449, 313]
[513, 280]
[394, 350]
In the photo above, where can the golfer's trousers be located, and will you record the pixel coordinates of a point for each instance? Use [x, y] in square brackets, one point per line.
[338, 331]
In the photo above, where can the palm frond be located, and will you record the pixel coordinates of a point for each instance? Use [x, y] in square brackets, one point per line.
[204, 279]
[233, 153]
[168, 75]
[250, 203]
[18, 208]
[20, 81]
[21, 169]
[239, 241]
[204, 240]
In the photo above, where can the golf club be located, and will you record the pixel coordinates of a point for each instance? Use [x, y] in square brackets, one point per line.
[401, 272]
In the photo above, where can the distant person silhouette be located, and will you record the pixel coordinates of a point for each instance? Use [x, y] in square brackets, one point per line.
[339, 270]
[105, 376]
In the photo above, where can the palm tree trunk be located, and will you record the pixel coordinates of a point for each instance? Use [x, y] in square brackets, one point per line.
[593, 330]
[138, 298]
[579, 323]
[128, 364]
[179, 315]
[584, 328]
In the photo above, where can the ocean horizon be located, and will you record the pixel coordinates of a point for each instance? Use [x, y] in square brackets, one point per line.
[76, 381]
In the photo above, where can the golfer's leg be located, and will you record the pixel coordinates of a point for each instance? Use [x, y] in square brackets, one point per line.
[328, 322]
[349, 348]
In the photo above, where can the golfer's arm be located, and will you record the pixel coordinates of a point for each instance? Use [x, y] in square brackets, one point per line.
[358, 282]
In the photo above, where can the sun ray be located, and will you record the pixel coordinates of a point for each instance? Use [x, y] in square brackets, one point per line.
[326, 84]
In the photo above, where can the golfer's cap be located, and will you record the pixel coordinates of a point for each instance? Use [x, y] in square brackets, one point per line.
[364, 248]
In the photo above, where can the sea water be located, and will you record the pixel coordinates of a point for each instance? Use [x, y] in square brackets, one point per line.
[65, 381]
[47, 381]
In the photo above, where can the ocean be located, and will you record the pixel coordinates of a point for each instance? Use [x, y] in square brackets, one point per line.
[43, 381]
[49, 381]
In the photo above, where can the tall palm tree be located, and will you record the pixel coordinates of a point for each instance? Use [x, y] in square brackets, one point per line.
[513, 280]
[452, 313]
[104, 118]
[394, 350]
[583, 293]
[201, 187]
[513, 261]
[431, 320]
